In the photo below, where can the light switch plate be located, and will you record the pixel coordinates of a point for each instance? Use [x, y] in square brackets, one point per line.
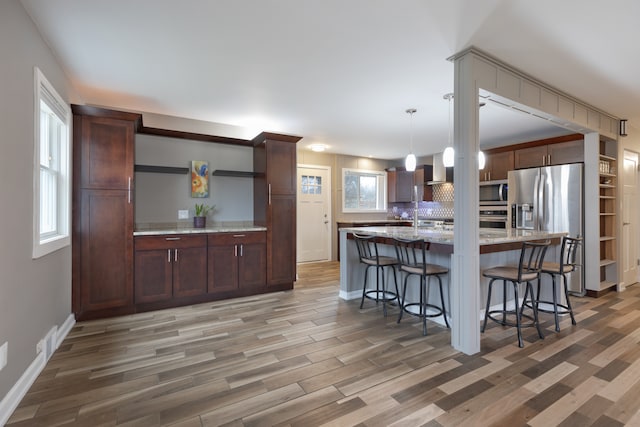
[183, 214]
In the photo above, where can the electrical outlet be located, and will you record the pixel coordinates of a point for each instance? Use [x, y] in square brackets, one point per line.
[3, 355]
[183, 214]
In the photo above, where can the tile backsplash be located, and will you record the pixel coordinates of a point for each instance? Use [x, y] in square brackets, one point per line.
[440, 208]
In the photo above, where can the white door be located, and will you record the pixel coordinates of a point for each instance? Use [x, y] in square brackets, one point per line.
[314, 213]
[630, 218]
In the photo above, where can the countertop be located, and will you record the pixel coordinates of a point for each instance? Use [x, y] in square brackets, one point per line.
[159, 229]
[488, 236]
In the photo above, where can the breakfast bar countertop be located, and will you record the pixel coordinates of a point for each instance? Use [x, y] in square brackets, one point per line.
[488, 236]
[159, 229]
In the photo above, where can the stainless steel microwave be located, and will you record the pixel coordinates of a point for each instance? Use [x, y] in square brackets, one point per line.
[494, 192]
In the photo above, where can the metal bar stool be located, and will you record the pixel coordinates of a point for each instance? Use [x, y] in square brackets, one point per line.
[566, 265]
[369, 256]
[528, 270]
[412, 259]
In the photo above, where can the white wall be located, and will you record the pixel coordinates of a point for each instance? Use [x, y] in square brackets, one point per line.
[35, 295]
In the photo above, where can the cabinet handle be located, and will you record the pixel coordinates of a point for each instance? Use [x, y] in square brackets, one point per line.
[269, 194]
[129, 190]
[548, 159]
[544, 157]
[168, 255]
[241, 250]
[235, 250]
[175, 255]
[172, 238]
[239, 235]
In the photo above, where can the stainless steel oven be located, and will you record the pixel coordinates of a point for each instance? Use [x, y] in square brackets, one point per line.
[493, 216]
[494, 192]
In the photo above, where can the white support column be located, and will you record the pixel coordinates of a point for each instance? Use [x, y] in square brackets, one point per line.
[465, 272]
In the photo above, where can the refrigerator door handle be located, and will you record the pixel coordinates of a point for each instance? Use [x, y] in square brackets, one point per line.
[538, 188]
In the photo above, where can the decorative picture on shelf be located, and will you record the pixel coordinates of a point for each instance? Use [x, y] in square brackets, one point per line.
[199, 178]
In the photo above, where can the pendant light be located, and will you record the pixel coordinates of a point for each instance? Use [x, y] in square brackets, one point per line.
[448, 155]
[410, 161]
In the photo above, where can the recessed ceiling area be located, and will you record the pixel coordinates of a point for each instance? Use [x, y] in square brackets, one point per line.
[338, 73]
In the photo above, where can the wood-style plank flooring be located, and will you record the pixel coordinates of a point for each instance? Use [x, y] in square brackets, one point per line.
[307, 358]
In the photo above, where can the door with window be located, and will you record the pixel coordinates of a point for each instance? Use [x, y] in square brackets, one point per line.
[314, 213]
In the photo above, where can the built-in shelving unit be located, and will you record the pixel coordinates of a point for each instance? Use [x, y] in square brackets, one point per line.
[161, 169]
[608, 169]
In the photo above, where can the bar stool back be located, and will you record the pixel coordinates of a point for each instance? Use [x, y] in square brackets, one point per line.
[567, 264]
[370, 257]
[412, 258]
[528, 270]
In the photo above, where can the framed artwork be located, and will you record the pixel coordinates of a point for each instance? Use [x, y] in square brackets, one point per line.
[199, 178]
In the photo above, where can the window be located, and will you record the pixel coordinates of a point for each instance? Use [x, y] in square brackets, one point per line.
[311, 184]
[51, 172]
[364, 191]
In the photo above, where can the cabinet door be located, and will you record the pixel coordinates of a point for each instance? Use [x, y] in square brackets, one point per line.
[105, 258]
[107, 153]
[281, 241]
[530, 157]
[281, 167]
[223, 268]
[252, 267]
[497, 166]
[189, 272]
[566, 152]
[400, 186]
[153, 275]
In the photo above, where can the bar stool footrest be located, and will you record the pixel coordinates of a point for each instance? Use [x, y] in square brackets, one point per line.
[508, 322]
[435, 310]
[562, 308]
[384, 296]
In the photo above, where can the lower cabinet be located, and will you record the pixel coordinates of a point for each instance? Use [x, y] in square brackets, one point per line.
[237, 262]
[169, 267]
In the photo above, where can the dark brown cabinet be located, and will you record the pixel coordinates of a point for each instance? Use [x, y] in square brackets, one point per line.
[497, 165]
[102, 232]
[275, 162]
[399, 186]
[550, 154]
[237, 263]
[173, 266]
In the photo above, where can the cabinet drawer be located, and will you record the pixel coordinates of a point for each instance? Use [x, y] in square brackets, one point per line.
[173, 241]
[219, 239]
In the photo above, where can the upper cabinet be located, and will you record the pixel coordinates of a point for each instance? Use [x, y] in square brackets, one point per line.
[549, 154]
[106, 148]
[399, 186]
[497, 165]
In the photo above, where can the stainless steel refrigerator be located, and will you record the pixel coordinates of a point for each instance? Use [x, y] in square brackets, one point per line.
[550, 198]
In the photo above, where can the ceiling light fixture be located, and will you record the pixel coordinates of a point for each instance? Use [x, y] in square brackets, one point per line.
[448, 155]
[410, 160]
[318, 148]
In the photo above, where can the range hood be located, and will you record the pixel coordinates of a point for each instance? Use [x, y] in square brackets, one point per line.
[440, 173]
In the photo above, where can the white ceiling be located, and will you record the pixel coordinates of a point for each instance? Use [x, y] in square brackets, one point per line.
[340, 72]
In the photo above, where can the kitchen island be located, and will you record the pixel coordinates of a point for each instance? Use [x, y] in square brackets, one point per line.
[497, 247]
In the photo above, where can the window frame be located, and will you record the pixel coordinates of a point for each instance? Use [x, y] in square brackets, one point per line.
[60, 237]
[381, 190]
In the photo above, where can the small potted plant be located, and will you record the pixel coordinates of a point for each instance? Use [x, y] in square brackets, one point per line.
[200, 216]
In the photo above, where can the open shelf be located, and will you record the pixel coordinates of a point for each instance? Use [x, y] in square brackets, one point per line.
[161, 169]
[240, 174]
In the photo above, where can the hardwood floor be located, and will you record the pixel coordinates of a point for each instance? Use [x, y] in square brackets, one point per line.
[307, 358]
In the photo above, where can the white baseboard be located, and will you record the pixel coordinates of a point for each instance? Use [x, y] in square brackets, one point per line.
[12, 399]
[350, 295]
